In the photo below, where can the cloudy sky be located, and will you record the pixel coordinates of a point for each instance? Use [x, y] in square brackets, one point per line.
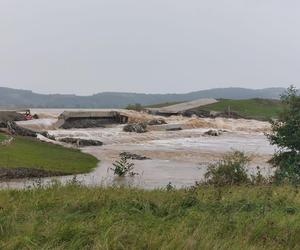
[153, 46]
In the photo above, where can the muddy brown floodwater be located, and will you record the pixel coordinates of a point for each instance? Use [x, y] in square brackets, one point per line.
[179, 157]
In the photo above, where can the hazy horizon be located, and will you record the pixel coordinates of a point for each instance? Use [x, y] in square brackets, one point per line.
[85, 47]
[99, 92]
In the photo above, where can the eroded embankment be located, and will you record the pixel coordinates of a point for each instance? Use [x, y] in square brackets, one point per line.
[179, 157]
[20, 173]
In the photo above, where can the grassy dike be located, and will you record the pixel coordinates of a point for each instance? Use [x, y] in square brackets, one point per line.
[74, 217]
[32, 153]
[260, 109]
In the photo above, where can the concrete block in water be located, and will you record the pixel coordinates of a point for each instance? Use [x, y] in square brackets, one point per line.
[90, 119]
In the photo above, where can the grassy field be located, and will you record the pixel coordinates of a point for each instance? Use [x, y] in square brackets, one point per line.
[73, 217]
[261, 109]
[31, 153]
[2, 137]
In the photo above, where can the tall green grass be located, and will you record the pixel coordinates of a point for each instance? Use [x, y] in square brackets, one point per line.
[73, 217]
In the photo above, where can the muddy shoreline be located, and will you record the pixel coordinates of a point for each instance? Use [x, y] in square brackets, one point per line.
[10, 174]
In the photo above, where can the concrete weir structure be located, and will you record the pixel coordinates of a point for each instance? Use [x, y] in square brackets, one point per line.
[90, 119]
[182, 107]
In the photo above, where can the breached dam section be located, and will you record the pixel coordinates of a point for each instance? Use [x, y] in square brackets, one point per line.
[180, 157]
[182, 107]
[90, 119]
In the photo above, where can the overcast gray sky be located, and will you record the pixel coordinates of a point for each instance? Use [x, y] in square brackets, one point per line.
[153, 46]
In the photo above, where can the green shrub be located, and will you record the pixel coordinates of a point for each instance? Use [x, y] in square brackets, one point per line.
[123, 167]
[286, 136]
[287, 167]
[136, 107]
[230, 170]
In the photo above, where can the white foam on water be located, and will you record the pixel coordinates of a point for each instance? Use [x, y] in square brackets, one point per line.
[39, 124]
[178, 157]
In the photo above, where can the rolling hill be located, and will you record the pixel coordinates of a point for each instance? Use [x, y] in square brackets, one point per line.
[24, 98]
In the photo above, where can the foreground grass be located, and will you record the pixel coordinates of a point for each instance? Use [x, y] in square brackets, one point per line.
[31, 153]
[260, 109]
[74, 217]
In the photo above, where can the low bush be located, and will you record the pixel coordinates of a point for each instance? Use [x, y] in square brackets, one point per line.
[136, 107]
[287, 166]
[230, 170]
[123, 167]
